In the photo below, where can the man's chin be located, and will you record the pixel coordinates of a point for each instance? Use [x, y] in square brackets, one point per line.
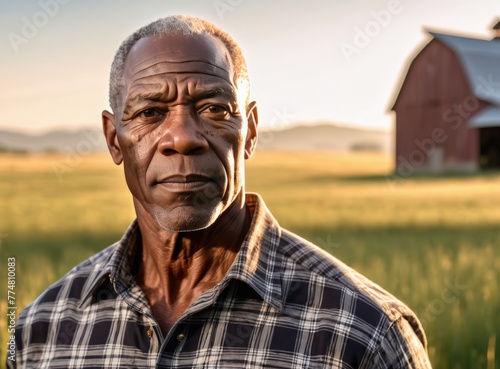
[185, 220]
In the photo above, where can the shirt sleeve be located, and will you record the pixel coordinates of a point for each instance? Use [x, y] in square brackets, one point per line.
[402, 348]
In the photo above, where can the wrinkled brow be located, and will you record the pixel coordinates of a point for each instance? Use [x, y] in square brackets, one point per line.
[229, 94]
[147, 96]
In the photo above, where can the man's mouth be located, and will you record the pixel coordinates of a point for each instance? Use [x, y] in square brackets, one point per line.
[180, 183]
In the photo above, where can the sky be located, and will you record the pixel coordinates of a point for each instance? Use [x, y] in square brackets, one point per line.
[309, 61]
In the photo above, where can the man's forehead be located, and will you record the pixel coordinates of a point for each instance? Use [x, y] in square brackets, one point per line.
[191, 86]
[177, 53]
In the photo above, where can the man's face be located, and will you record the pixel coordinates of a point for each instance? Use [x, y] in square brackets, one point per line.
[181, 130]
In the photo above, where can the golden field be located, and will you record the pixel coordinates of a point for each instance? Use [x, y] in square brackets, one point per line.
[433, 241]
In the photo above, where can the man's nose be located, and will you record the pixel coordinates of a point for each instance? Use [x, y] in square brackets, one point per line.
[182, 133]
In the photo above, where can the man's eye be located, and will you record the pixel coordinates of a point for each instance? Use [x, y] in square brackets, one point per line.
[216, 112]
[216, 109]
[149, 113]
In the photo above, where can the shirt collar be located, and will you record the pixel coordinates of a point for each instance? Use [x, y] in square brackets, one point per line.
[117, 268]
[257, 264]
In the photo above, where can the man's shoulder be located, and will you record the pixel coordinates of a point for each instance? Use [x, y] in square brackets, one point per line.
[322, 293]
[72, 285]
[339, 294]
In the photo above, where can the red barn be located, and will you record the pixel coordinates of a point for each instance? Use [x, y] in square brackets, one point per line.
[448, 107]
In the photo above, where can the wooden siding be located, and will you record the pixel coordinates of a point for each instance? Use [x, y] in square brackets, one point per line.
[432, 109]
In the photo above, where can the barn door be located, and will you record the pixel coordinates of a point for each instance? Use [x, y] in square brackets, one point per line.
[489, 143]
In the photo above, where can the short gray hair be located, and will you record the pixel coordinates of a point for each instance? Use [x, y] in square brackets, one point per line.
[174, 24]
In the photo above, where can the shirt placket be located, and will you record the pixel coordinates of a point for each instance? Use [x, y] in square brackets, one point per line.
[171, 350]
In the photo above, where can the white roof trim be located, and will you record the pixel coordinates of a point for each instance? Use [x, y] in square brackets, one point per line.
[488, 117]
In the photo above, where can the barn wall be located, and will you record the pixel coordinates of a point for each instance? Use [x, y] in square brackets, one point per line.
[432, 108]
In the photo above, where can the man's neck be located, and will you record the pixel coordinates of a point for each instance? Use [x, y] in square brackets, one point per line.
[177, 267]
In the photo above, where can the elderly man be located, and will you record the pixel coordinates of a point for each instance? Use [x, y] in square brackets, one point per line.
[205, 277]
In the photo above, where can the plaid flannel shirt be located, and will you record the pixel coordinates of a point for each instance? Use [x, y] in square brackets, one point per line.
[284, 303]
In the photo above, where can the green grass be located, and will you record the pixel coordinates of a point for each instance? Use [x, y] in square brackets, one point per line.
[430, 240]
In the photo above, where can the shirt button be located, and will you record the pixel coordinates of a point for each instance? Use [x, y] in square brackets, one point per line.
[181, 337]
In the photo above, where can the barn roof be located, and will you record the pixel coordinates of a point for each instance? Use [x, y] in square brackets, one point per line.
[488, 117]
[481, 63]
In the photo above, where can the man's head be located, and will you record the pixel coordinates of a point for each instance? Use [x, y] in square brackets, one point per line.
[181, 123]
[188, 26]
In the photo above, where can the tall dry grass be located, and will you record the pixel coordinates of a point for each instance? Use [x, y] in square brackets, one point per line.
[431, 241]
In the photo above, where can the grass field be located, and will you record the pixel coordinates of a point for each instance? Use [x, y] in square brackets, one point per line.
[431, 241]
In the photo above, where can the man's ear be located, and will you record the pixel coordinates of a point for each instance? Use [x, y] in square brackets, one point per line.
[253, 122]
[109, 128]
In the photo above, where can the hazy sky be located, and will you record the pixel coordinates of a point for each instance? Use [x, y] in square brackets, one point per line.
[308, 60]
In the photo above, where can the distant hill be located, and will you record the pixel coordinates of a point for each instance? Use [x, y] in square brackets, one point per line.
[82, 140]
[325, 137]
[299, 137]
